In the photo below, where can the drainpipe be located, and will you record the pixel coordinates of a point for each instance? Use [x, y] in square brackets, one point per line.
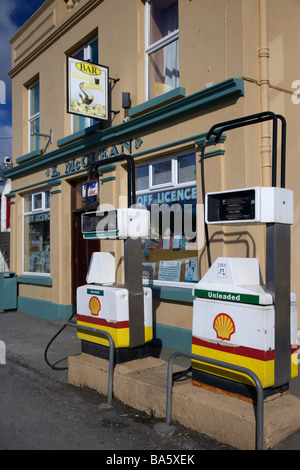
[263, 57]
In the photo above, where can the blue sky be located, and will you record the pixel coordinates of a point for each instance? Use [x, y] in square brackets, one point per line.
[13, 14]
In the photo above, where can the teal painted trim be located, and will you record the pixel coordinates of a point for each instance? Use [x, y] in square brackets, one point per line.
[56, 191]
[139, 154]
[77, 135]
[170, 337]
[44, 309]
[109, 178]
[11, 195]
[54, 183]
[229, 90]
[211, 141]
[182, 294]
[107, 168]
[43, 182]
[176, 143]
[11, 203]
[215, 153]
[29, 156]
[100, 235]
[35, 280]
[159, 101]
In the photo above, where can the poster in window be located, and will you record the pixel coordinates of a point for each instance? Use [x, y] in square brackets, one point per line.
[92, 189]
[169, 271]
[191, 270]
[87, 89]
[148, 271]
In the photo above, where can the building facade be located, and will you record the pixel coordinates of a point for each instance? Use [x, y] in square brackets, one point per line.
[175, 68]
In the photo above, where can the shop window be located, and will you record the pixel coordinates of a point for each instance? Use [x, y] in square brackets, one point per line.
[170, 254]
[37, 233]
[34, 116]
[186, 169]
[87, 52]
[161, 173]
[162, 47]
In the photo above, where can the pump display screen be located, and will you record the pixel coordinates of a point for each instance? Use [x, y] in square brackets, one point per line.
[232, 206]
[94, 223]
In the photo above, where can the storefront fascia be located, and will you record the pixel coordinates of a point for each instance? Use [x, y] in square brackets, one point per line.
[72, 159]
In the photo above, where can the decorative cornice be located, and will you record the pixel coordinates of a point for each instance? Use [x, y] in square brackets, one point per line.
[31, 20]
[67, 23]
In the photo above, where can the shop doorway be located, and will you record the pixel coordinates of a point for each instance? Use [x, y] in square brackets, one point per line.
[82, 249]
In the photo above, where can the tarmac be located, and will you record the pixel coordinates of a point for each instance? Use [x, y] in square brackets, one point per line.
[25, 339]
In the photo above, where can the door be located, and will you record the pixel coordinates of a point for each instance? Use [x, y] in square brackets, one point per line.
[82, 249]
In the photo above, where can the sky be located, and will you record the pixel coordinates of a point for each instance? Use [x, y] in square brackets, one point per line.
[13, 14]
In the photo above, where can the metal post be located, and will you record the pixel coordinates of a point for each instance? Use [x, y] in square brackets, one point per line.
[111, 354]
[242, 370]
[133, 282]
[278, 285]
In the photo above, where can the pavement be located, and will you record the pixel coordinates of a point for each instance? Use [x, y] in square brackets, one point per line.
[25, 339]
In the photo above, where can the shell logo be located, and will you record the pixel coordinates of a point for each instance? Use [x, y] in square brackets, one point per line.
[224, 326]
[94, 306]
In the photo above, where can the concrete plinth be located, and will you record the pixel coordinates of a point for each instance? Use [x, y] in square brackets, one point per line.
[142, 384]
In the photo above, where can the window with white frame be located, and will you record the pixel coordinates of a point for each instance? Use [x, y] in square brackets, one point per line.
[87, 52]
[167, 188]
[36, 252]
[34, 116]
[162, 47]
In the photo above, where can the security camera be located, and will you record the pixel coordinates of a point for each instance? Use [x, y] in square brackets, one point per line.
[7, 161]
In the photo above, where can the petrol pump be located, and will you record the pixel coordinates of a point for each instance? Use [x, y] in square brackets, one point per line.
[123, 311]
[238, 319]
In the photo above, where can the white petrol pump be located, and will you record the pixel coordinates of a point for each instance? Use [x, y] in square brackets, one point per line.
[237, 318]
[123, 311]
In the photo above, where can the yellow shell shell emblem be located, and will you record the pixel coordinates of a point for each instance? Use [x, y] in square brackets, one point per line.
[224, 326]
[94, 306]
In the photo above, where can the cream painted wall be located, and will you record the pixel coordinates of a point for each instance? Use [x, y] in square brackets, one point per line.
[219, 39]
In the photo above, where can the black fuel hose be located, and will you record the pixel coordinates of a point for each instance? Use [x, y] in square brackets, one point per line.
[51, 341]
[181, 373]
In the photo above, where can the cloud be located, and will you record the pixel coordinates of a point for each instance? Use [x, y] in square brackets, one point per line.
[8, 27]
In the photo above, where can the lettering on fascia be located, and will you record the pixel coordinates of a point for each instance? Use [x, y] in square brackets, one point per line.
[80, 163]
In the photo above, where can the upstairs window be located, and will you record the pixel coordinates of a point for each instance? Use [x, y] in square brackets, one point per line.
[34, 116]
[87, 52]
[162, 47]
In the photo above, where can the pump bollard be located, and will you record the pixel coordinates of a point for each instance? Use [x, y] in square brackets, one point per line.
[241, 370]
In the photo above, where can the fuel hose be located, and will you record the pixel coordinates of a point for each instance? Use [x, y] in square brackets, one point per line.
[53, 366]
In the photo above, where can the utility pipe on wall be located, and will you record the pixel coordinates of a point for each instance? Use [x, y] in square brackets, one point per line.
[263, 57]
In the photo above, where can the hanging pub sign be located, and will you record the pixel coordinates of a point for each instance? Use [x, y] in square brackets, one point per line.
[87, 89]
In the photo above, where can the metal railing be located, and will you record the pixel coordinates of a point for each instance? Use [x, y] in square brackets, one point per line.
[242, 370]
[111, 354]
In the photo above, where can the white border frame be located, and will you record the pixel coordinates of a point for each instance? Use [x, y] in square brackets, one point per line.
[34, 117]
[174, 166]
[150, 48]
